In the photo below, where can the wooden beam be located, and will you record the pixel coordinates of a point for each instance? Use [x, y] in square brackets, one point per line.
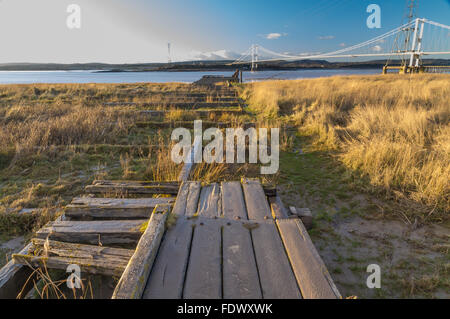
[203, 277]
[113, 208]
[91, 259]
[13, 277]
[257, 204]
[210, 204]
[233, 203]
[167, 277]
[278, 208]
[156, 188]
[94, 232]
[310, 272]
[240, 274]
[275, 273]
[134, 279]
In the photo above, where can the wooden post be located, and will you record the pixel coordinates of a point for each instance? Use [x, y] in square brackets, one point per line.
[132, 283]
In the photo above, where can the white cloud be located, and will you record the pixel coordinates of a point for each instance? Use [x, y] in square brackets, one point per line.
[377, 48]
[342, 44]
[273, 36]
[327, 37]
[213, 55]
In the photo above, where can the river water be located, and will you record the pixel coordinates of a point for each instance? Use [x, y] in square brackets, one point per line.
[26, 77]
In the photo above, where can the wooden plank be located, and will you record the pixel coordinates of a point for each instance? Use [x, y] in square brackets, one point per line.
[193, 198]
[91, 259]
[312, 276]
[278, 208]
[210, 204]
[203, 276]
[233, 204]
[257, 205]
[167, 277]
[189, 162]
[131, 189]
[179, 208]
[275, 273]
[113, 208]
[240, 275]
[13, 277]
[132, 283]
[93, 232]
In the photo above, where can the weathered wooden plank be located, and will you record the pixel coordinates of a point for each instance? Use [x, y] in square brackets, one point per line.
[275, 273]
[189, 161]
[134, 279]
[233, 204]
[278, 208]
[193, 198]
[113, 208]
[203, 276]
[210, 204]
[167, 277]
[131, 189]
[257, 205]
[105, 266]
[179, 208]
[93, 232]
[240, 275]
[173, 184]
[13, 277]
[312, 276]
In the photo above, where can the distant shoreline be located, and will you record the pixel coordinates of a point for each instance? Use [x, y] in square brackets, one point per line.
[206, 66]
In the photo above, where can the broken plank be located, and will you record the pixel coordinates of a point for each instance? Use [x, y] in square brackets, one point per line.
[93, 232]
[209, 204]
[13, 277]
[179, 207]
[132, 283]
[91, 259]
[275, 273]
[256, 200]
[240, 275]
[304, 214]
[311, 273]
[233, 204]
[113, 208]
[203, 276]
[167, 276]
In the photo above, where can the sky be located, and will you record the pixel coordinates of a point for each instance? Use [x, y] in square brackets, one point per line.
[138, 31]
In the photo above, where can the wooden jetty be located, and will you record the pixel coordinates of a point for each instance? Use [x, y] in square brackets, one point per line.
[179, 239]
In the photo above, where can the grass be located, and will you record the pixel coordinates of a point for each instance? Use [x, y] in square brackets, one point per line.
[393, 130]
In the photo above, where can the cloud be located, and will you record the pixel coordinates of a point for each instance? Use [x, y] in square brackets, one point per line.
[377, 48]
[274, 35]
[342, 44]
[326, 37]
[213, 55]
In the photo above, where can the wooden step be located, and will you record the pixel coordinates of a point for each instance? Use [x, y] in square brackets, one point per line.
[107, 232]
[131, 187]
[91, 259]
[114, 208]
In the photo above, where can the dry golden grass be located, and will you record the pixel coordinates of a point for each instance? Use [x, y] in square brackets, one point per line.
[394, 129]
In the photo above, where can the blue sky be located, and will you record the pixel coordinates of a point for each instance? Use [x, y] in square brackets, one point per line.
[139, 30]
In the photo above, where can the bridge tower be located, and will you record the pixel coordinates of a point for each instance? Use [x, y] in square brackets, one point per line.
[413, 35]
[254, 57]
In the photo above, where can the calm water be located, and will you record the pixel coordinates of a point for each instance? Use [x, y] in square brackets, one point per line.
[24, 77]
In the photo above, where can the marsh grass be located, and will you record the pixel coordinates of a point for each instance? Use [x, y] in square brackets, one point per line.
[395, 130]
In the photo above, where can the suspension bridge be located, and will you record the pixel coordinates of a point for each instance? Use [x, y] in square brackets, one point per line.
[410, 43]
